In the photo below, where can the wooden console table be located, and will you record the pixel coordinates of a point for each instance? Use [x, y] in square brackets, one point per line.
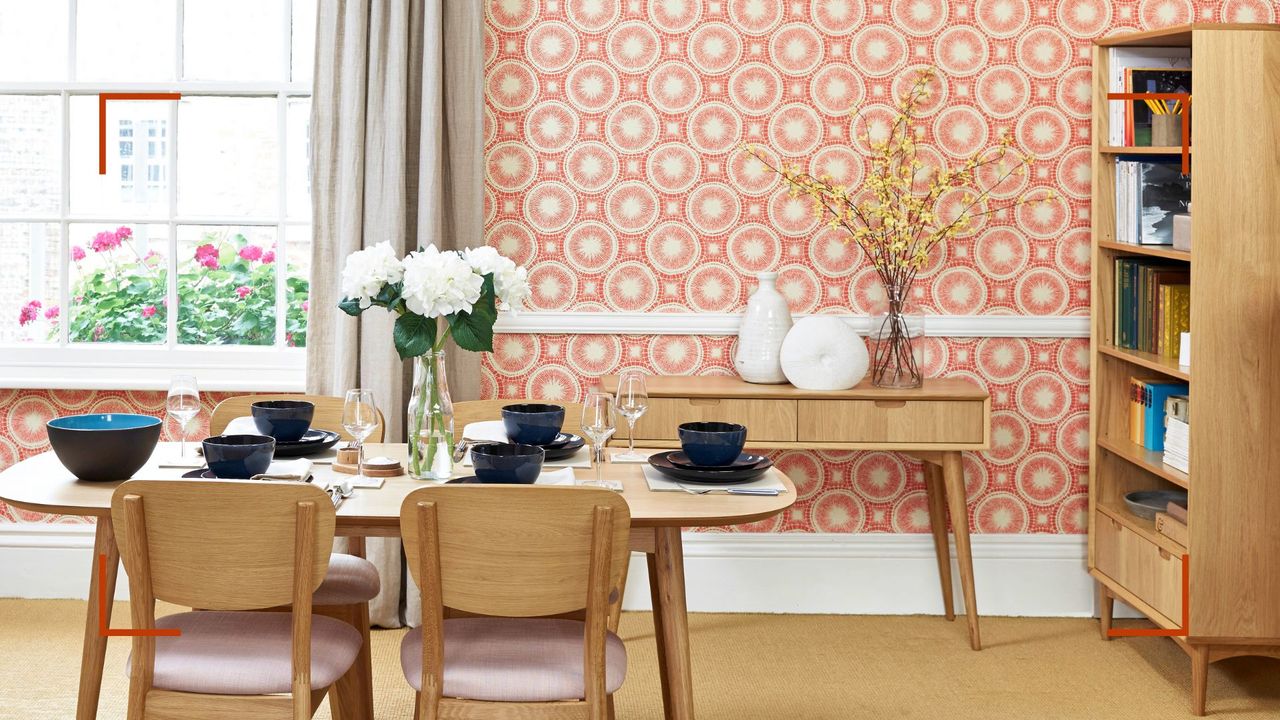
[933, 423]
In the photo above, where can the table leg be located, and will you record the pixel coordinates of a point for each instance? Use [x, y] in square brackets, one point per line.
[95, 642]
[953, 478]
[937, 494]
[351, 697]
[659, 630]
[670, 594]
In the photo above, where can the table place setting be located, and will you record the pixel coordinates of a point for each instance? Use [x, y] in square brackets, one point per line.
[711, 460]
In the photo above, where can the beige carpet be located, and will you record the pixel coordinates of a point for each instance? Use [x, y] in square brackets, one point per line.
[810, 667]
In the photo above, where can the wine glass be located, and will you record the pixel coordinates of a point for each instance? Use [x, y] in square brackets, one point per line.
[183, 404]
[359, 418]
[632, 401]
[598, 426]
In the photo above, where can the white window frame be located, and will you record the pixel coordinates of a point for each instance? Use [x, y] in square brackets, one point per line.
[127, 366]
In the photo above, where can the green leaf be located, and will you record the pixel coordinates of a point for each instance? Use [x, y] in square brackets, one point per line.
[414, 335]
[350, 307]
[474, 330]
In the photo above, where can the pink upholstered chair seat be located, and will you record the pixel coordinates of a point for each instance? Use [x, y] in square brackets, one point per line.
[513, 659]
[350, 580]
[247, 653]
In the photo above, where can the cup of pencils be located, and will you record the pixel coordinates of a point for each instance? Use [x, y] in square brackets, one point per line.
[1166, 123]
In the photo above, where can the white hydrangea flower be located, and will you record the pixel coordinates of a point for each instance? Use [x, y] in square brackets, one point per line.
[440, 283]
[510, 281]
[368, 270]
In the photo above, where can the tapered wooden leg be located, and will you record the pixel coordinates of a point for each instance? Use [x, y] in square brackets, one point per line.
[1199, 677]
[659, 630]
[937, 494]
[417, 706]
[351, 697]
[953, 478]
[1106, 605]
[669, 561]
[95, 643]
[612, 715]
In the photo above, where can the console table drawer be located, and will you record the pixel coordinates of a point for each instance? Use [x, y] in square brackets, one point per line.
[1140, 566]
[888, 421]
[766, 420]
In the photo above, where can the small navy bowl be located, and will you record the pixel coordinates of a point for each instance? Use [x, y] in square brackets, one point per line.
[286, 420]
[532, 423]
[104, 446]
[712, 443]
[239, 457]
[507, 463]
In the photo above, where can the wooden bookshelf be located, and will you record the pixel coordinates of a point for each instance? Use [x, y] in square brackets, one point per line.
[1234, 501]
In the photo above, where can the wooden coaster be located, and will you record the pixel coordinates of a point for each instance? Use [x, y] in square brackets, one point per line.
[371, 470]
[347, 455]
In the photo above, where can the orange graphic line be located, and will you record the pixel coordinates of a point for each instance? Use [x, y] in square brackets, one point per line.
[102, 118]
[105, 631]
[1160, 632]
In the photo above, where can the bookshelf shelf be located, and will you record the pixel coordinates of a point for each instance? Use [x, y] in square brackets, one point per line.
[1150, 361]
[1232, 538]
[1142, 150]
[1160, 251]
[1149, 460]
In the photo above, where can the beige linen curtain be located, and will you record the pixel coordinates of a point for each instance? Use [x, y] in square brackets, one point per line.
[396, 138]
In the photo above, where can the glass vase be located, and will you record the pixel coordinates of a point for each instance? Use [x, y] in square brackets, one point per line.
[895, 361]
[430, 427]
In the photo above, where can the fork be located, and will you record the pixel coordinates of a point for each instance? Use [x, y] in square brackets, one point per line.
[694, 491]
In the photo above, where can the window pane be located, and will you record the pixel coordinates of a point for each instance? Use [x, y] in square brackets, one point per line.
[304, 39]
[233, 40]
[298, 160]
[139, 140]
[228, 156]
[33, 40]
[29, 282]
[125, 40]
[298, 284]
[30, 151]
[119, 278]
[226, 285]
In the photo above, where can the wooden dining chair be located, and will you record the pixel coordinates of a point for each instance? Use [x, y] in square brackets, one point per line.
[229, 546]
[328, 414]
[470, 411]
[352, 581]
[510, 557]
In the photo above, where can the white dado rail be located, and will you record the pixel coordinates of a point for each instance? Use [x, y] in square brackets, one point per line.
[660, 323]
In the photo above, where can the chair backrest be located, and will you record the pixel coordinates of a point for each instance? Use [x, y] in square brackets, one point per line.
[223, 545]
[515, 550]
[328, 413]
[479, 410]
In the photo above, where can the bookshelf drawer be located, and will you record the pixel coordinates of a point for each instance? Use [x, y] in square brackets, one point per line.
[766, 420]
[904, 422]
[1141, 566]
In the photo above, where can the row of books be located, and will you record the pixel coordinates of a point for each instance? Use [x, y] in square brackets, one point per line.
[1149, 193]
[1177, 432]
[1147, 398]
[1143, 70]
[1152, 305]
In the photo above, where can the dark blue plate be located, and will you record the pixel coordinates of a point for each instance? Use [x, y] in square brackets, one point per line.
[560, 451]
[745, 460]
[311, 443]
[662, 463]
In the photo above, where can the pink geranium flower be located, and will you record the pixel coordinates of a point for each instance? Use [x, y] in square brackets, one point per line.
[251, 252]
[306, 306]
[29, 313]
[243, 291]
[51, 313]
[77, 253]
[98, 332]
[104, 241]
[207, 255]
[268, 257]
[148, 311]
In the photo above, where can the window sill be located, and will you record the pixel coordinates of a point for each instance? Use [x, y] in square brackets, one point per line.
[121, 367]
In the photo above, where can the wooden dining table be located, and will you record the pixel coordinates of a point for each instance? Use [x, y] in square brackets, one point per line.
[42, 484]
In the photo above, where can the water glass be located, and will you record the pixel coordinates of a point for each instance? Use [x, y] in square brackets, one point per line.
[359, 419]
[183, 404]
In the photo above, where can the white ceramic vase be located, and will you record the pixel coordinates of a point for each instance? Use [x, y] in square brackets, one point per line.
[823, 353]
[764, 326]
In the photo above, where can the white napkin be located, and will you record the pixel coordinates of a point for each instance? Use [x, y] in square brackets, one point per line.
[241, 426]
[563, 476]
[299, 469]
[661, 483]
[493, 431]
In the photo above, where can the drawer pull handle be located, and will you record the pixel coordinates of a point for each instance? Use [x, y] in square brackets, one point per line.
[704, 401]
[891, 403]
[1164, 554]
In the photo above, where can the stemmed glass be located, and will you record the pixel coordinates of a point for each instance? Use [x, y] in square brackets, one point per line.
[359, 418]
[598, 426]
[632, 401]
[183, 404]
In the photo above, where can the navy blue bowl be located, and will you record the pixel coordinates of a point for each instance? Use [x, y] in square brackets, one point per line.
[104, 446]
[286, 420]
[239, 457]
[712, 443]
[507, 463]
[532, 423]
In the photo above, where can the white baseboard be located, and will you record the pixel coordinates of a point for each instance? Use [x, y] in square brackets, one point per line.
[871, 574]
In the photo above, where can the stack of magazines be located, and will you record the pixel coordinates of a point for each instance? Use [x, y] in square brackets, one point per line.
[1177, 433]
